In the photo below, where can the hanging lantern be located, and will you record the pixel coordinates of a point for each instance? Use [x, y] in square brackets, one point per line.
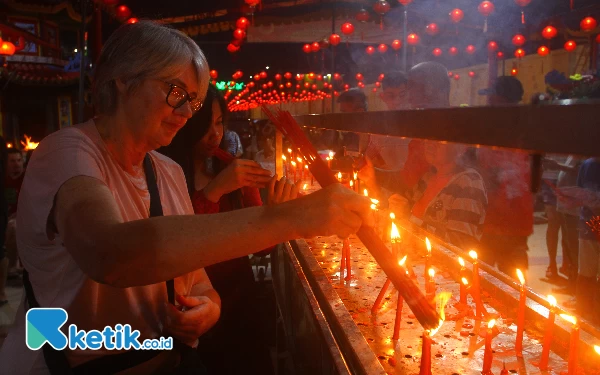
[324, 44]
[470, 49]
[361, 85]
[500, 55]
[381, 7]
[359, 77]
[307, 48]
[486, 8]
[492, 45]
[514, 71]
[518, 40]
[311, 76]
[370, 50]
[315, 47]
[347, 29]
[214, 74]
[588, 24]
[242, 23]
[287, 75]
[337, 76]
[239, 34]
[412, 39]
[543, 51]
[432, 29]
[122, 12]
[405, 2]
[452, 51]
[570, 45]
[288, 85]
[522, 3]
[335, 39]
[382, 48]
[377, 84]
[278, 77]
[232, 48]
[598, 38]
[362, 15]
[263, 75]
[437, 52]
[270, 84]
[257, 77]
[450, 74]
[7, 48]
[252, 3]
[456, 77]
[456, 15]
[396, 44]
[132, 20]
[381, 77]
[519, 53]
[472, 74]
[549, 32]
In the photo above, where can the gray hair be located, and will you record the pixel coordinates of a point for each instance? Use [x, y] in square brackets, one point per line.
[140, 51]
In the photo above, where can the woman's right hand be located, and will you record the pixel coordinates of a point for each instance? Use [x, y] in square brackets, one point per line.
[334, 210]
[238, 174]
[280, 191]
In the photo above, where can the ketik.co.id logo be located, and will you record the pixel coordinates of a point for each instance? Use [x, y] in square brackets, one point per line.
[44, 324]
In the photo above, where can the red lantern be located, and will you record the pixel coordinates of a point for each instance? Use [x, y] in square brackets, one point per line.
[7, 49]
[486, 8]
[472, 74]
[570, 46]
[299, 77]
[456, 15]
[522, 3]
[381, 7]
[263, 75]
[518, 40]
[264, 86]
[123, 12]
[252, 3]
[278, 77]
[588, 24]
[242, 23]
[500, 55]
[374, 89]
[288, 84]
[543, 51]
[319, 77]
[307, 48]
[335, 39]
[382, 48]
[337, 76]
[450, 74]
[306, 85]
[370, 50]
[470, 49]
[396, 44]
[432, 29]
[236, 42]
[405, 2]
[549, 32]
[456, 77]
[492, 46]
[514, 72]
[132, 20]
[288, 75]
[270, 84]
[362, 15]
[314, 86]
[381, 77]
[412, 39]
[324, 44]
[361, 85]
[598, 38]
[519, 53]
[346, 86]
[315, 47]
[377, 84]
[214, 74]
[239, 34]
[359, 77]
[347, 29]
[437, 52]
[232, 48]
[311, 76]
[453, 51]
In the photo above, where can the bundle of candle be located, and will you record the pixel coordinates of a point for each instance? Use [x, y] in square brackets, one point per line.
[423, 311]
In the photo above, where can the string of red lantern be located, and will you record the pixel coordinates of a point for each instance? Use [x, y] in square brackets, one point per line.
[381, 7]
[486, 8]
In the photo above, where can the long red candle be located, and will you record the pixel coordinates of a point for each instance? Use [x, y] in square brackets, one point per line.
[476, 289]
[574, 345]
[520, 315]
[348, 259]
[342, 263]
[548, 334]
[398, 320]
[488, 355]
[425, 368]
[380, 296]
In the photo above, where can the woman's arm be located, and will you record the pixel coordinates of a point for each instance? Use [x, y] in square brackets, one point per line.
[149, 251]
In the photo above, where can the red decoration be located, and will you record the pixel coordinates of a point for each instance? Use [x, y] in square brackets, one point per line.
[374, 89]
[362, 15]
[252, 3]
[456, 15]
[492, 45]
[377, 84]
[278, 77]
[346, 87]
[518, 40]
[239, 34]
[570, 46]
[214, 74]
[519, 53]
[381, 7]
[450, 74]
[412, 39]
[437, 52]
[549, 32]
[236, 42]
[396, 44]
[7, 48]
[361, 85]
[405, 2]
[381, 77]
[263, 75]
[270, 84]
[472, 74]
[347, 29]
[123, 12]
[432, 29]
[588, 24]
[311, 76]
[453, 51]
[543, 51]
[288, 84]
[315, 47]
[486, 8]
[334, 39]
[359, 77]
[470, 49]
[324, 44]
[370, 50]
[382, 48]
[337, 76]
[514, 71]
[232, 48]
[598, 38]
[132, 20]
[500, 55]
[314, 86]
[307, 48]
[306, 85]
[456, 77]
[522, 3]
[242, 23]
[288, 75]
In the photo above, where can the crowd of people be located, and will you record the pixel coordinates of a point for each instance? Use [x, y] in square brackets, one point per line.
[115, 232]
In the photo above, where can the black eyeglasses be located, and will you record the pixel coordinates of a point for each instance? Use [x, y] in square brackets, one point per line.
[178, 96]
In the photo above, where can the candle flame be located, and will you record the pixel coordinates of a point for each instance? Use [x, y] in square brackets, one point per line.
[293, 163]
[351, 183]
[473, 254]
[402, 261]
[597, 349]
[28, 145]
[327, 158]
[366, 193]
[395, 234]
[520, 276]
[552, 300]
[299, 159]
[305, 186]
[435, 330]
[289, 150]
[9, 145]
[375, 201]
[392, 216]
[428, 245]
[306, 166]
[331, 154]
[492, 323]
[431, 272]
[373, 206]
[461, 261]
[465, 281]
[356, 175]
[283, 157]
[339, 175]
[569, 318]
[441, 300]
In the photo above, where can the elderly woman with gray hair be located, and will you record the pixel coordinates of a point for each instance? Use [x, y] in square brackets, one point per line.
[106, 227]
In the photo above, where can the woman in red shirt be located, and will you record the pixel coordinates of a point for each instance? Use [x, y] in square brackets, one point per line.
[218, 183]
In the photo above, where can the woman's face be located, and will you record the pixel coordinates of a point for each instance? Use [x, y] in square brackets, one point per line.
[152, 121]
[212, 139]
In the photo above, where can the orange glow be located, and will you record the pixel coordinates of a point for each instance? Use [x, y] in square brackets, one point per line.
[403, 261]
[520, 276]
[366, 193]
[283, 157]
[351, 183]
[306, 166]
[492, 323]
[289, 150]
[293, 163]
[465, 281]
[473, 254]
[331, 155]
[569, 318]
[373, 206]
[428, 245]
[355, 175]
[431, 273]
[597, 349]
[375, 201]
[461, 262]
[339, 176]
[392, 216]
[28, 145]
[9, 145]
[299, 159]
[395, 234]
[552, 300]
[305, 186]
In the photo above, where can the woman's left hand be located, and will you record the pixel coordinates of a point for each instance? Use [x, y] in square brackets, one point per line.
[200, 315]
[281, 190]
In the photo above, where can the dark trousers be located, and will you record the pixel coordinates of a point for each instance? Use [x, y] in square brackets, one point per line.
[506, 252]
[570, 243]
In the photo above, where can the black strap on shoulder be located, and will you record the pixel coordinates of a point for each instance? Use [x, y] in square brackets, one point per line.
[57, 362]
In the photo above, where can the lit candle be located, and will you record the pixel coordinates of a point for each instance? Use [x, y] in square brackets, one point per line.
[395, 239]
[339, 177]
[488, 354]
[520, 315]
[399, 305]
[380, 296]
[352, 185]
[348, 259]
[294, 170]
[463, 291]
[328, 162]
[304, 187]
[305, 170]
[425, 368]
[548, 334]
[366, 193]
[430, 286]
[330, 158]
[475, 288]
[574, 346]
[356, 181]
[427, 257]
[286, 166]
